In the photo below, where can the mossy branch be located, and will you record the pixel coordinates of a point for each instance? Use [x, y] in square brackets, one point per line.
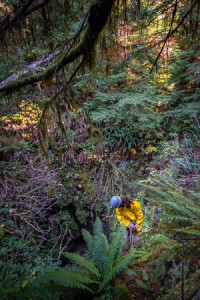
[97, 19]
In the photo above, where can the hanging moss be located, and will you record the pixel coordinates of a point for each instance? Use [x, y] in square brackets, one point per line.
[97, 19]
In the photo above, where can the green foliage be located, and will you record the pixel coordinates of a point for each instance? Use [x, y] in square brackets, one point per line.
[178, 163]
[7, 167]
[183, 119]
[179, 216]
[119, 140]
[88, 145]
[83, 263]
[191, 287]
[19, 266]
[133, 111]
[69, 279]
[183, 109]
[143, 285]
[22, 144]
[89, 241]
[178, 208]
[93, 273]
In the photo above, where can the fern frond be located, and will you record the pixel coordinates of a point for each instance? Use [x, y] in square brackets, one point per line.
[98, 253]
[189, 230]
[88, 238]
[116, 245]
[84, 263]
[185, 202]
[121, 264]
[178, 219]
[44, 292]
[130, 272]
[105, 244]
[179, 209]
[143, 285]
[122, 243]
[68, 279]
[98, 228]
[177, 205]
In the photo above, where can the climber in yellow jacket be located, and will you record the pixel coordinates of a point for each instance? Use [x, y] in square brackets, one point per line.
[128, 210]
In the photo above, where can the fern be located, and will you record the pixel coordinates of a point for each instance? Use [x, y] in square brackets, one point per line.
[134, 111]
[177, 206]
[93, 274]
[160, 268]
[83, 262]
[116, 245]
[145, 275]
[118, 267]
[188, 230]
[105, 244]
[143, 285]
[88, 238]
[68, 279]
[98, 253]
[98, 228]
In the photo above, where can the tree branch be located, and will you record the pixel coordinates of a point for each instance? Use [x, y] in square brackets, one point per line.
[171, 32]
[24, 11]
[7, 22]
[97, 19]
[168, 35]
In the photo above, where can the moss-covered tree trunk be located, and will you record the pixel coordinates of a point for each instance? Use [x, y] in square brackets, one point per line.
[98, 16]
